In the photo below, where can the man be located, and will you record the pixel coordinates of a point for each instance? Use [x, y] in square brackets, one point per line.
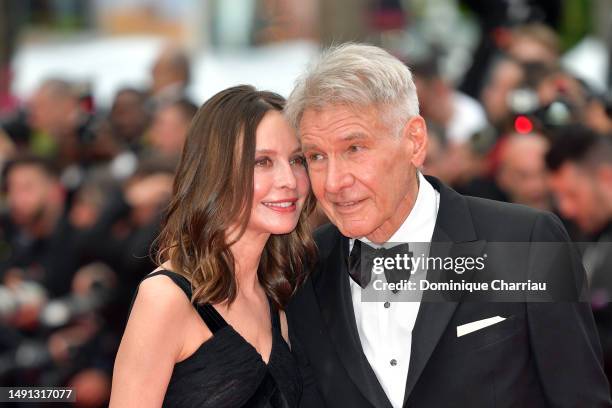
[129, 118]
[356, 112]
[534, 43]
[505, 76]
[458, 114]
[580, 162]
[56, 121]
[169, 128]
[170, 76]
[521, 173]
[36, 230]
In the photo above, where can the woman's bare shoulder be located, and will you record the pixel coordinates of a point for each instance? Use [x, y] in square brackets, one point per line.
[160, 294]
[152, 341]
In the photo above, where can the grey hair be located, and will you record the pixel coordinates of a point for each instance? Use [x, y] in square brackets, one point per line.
[358, 76]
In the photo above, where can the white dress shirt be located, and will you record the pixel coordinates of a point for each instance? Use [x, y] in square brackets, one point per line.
[385, 328]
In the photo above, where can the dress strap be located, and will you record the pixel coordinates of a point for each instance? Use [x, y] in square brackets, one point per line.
[207, 312]
[178, 279]
[211, 317]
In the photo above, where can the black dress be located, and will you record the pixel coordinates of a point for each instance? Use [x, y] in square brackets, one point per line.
[227, 371]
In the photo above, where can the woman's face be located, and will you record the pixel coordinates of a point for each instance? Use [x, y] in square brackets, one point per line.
[280, 179]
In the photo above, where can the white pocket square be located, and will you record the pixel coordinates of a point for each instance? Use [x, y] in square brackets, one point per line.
[477, 325]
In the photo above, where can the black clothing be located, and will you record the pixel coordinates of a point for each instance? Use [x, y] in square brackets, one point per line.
[598, 260]
[227, 371]
[50, 261]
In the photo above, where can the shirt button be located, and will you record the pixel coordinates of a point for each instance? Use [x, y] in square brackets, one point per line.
[393, 362]
[387, 305]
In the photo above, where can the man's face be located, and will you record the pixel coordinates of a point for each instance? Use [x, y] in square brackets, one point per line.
[506, 77]
[169, 131]
[579, 197]
[128, 115]
[522, 173]
[29, 190]
[47, 113]
[362, 174]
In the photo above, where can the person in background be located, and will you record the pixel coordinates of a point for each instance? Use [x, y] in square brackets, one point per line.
[521, 171]
[459, 115]
[36, 227]
[56, 121]
[534, 43]
[505, 76]
[169, 129]
[580, 165]
[128, 118]
[598, 113]
[170, 77]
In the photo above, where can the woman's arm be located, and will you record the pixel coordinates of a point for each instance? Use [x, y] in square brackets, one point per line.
[151, 344]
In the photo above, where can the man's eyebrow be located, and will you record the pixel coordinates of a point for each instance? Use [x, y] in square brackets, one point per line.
[354, 136]
[348, 138]
[308, 146]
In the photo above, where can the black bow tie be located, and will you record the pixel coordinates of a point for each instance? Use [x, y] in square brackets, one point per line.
[362, 274]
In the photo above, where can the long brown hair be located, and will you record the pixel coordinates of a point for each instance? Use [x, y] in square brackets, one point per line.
[213, 191]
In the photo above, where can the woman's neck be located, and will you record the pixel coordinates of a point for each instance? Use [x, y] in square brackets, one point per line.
[247, 253]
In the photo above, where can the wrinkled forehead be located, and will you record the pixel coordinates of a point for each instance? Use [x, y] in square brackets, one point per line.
[317, 117]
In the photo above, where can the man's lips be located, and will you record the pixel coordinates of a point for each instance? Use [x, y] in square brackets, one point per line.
[347, 206]
[286, 205]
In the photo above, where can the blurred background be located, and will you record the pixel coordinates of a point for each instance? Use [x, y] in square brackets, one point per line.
[96, 97]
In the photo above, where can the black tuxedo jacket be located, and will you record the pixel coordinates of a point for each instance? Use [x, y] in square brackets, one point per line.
[544, 354]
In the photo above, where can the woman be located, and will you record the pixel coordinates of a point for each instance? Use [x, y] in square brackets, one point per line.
[234, 241]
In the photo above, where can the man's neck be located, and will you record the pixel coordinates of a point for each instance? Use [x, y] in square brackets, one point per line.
[383, 233]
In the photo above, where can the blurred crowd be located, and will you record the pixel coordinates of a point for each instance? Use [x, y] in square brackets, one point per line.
[533, 134]
[84, 191]
[83, 194]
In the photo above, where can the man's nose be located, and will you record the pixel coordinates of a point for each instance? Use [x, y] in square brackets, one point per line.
[337, 176]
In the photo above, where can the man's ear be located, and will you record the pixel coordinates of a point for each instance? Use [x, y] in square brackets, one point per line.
[604, 175]
[415, 131]
[604, 178]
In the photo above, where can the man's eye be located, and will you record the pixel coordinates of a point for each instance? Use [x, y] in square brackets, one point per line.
[354, 148]
[315, 157]
[263, 162]
[298, 160]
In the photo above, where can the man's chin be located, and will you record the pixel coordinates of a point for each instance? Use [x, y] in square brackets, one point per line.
[353, 230]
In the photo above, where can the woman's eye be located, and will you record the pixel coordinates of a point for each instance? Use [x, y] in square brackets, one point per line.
[298, 160]
[263, 162]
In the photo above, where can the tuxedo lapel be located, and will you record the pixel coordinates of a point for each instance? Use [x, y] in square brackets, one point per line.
[453, 236]
[334, 296]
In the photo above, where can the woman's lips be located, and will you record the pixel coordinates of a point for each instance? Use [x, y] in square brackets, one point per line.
[282, 206]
